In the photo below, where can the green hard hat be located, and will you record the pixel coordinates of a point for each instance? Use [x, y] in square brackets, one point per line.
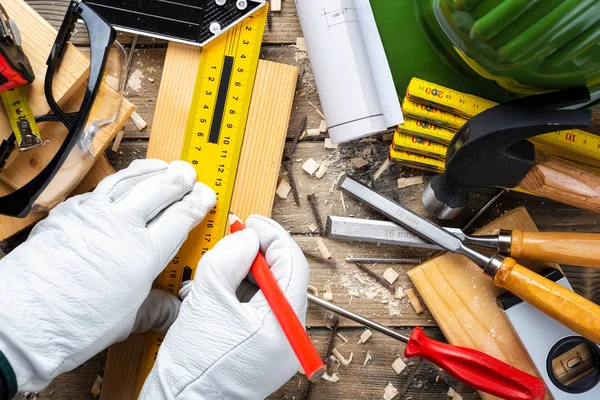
[497, 49]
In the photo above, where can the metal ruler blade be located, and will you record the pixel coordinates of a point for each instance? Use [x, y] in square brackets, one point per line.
[212, 144]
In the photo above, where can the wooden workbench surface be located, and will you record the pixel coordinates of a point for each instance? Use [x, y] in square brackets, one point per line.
[356, 380]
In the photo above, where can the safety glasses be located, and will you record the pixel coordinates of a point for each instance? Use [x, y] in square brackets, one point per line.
[100, 104]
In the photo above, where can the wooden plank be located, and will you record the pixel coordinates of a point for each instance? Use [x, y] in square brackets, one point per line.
[38, 37]
[267, 125]
[10, 226]
[173, 107]
[463, 300]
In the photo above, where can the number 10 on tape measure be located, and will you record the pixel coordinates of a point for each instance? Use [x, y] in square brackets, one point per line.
[212, 144]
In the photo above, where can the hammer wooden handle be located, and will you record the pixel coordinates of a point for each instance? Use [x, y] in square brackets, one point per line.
[564, 182]
[579, 249]
[575, 312]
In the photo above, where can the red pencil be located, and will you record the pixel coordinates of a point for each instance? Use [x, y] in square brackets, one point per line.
[309, 358]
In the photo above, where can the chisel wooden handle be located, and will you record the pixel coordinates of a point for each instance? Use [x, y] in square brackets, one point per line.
[564, 182]
[579, 249]
[565, 306]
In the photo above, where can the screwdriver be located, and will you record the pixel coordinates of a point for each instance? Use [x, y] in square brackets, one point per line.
[565, 306]
[472, 367]
[305, 351]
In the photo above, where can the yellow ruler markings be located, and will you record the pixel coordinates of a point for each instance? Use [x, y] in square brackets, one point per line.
[426, 130]
[438, 111]
[405, 142]
[212, 144]
[434, 115]
[416, 160]
[447, 99]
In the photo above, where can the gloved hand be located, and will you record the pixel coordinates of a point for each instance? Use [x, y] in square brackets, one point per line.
[219, 347]
[77, 284]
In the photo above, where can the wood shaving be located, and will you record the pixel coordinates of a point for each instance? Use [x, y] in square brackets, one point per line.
[414, 300]
[275, 5]
[321, 172]
[118, 140]
[323, 126]
[381, 169]
[139, 122]
[313, 227]
[313, 132]
[342, 337]
[310, 166]
[343, 202]
[323, 249]
[331, 378]
[399, 365]
[452, 393]
[399, 293]
[358, 162]
[367, 359]
[330, 145]
[283, 189]
[366, 335]
[313, 290]
[345, 362]
[97, 387]
[387, 137]
[390, 392]
[359, 278]
[328, 295]
[390, 275]
[412, 181]
[317, 110]
[301, 44]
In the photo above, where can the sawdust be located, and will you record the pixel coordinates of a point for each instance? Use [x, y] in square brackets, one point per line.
[373, 291]
[135, 80]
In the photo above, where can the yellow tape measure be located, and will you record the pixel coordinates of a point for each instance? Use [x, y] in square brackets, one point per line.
[436, 104]
[21, 118]
[212, 144]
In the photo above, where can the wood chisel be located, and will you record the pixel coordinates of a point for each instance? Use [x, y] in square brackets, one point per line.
[571, 248]
[472, 367]
[565, 306]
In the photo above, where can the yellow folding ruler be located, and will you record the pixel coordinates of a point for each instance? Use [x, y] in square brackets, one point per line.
[446, 107]
[212, 144]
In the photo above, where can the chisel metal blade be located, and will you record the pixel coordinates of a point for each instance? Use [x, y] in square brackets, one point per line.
[373, 231]
[410, 220]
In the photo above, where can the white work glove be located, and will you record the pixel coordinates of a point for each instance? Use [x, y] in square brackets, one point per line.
[77, 284]
[219, 347]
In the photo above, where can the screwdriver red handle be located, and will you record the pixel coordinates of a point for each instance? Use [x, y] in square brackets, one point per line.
[305, 351]
[476, 369]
